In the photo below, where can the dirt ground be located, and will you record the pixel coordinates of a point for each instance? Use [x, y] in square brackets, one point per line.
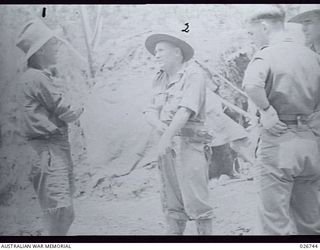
[130, 205]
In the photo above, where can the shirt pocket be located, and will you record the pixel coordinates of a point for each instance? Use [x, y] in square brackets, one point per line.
[160, 99]
[174, 100]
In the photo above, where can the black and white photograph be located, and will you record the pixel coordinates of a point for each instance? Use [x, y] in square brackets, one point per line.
[160, 119]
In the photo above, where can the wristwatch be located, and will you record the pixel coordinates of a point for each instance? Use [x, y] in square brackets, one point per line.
[266, 109]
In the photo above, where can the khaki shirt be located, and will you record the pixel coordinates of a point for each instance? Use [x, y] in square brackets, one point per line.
[43, 102]
[188, 91]
[290, 74]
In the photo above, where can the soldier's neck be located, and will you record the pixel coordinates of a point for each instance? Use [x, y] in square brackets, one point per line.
[276, 36]
[174, 69]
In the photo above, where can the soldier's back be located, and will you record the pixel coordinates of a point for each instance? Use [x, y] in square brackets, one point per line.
[293, 83]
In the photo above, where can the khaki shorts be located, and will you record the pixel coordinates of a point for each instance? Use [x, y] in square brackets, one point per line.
[52, 174]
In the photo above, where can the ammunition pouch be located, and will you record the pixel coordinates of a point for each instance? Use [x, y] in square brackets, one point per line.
[194, 132]
[197, 135]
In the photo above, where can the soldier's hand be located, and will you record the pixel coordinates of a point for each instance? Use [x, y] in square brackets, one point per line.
[161, 127]
[270, 121]
[269, 118]
[71, 115]
[164, 145]
[278, 129]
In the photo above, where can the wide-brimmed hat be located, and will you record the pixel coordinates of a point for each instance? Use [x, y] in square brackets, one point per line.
[306, 10]
[185, 47]
[33, 36]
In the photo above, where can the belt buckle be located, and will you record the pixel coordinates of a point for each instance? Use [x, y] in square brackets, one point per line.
[299, 121]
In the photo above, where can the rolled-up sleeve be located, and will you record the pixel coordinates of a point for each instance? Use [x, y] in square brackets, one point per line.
[194, 93]
[256, 73]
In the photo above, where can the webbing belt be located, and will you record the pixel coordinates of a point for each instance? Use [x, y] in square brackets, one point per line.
[295, 119]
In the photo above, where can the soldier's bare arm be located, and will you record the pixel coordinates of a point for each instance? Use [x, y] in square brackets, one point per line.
[178, 121]
[254, 83]
[269, 118]
[154, 121]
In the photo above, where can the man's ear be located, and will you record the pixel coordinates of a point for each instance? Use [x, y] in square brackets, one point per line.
[265, 26]
[178, 51]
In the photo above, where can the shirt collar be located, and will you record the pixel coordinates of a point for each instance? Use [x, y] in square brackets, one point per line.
[278, 38]
[179, 75]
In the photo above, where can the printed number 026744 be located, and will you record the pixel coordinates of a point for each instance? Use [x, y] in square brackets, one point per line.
[308, 245]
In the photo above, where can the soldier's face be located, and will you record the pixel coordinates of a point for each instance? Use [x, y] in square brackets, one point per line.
[311, 29]
[166, 54]
[50, 51]
[257, 33]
